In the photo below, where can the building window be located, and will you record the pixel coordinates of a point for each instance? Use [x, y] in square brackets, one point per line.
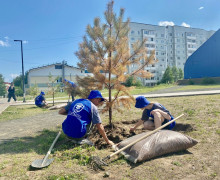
[149, 32]
[162, 35]
[132, 32]
[59, 80]
[58, 67]
[150, 45]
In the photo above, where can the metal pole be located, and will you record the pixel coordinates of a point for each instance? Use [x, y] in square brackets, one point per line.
[22, 69]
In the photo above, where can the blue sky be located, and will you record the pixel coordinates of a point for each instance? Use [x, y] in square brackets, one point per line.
[52, 29]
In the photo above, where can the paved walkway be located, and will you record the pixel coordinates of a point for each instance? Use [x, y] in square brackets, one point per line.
[4, 104]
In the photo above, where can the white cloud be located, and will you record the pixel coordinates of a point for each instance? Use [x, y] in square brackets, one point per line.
[200, 8]
[14, 75]
[25, 42]
[166, 23]
[4, 43]
[185, 25]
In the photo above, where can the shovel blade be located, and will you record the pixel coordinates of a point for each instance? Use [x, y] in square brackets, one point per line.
[39, 163]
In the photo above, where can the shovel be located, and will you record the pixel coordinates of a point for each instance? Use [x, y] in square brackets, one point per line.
[41, 163]
[98, 162]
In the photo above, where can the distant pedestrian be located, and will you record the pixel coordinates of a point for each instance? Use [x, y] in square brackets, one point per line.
[40, 100]
[153, 116]
[11, 92]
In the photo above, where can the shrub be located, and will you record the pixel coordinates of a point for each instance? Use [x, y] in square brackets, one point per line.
[18, 91]
[191, 82]
[208, 81]
[131, 81]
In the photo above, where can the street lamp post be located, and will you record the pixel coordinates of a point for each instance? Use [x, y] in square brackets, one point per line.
[22, 68]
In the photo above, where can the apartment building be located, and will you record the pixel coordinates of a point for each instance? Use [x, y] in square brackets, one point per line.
[172, 44]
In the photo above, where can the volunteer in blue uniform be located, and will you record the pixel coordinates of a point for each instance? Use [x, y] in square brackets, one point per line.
[82, 114]
[153, 116]
[40, 100]
[73, 87]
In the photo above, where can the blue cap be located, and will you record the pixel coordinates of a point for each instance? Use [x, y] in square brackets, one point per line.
[141, 102]
[70, 82]
[42, 93]
[95, 94]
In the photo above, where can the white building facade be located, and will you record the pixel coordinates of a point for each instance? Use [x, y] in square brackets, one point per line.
[40, 76]
[172, 45]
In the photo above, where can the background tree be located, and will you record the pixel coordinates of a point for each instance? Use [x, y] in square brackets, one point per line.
[53, 87]
[106, 54]
[2, 86]
[175, 73]
[34, 90]
[167, 76]
[180, 73]
[18, 81]
[132, 81]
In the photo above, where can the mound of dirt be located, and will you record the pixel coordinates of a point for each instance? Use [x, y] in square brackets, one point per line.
[120, 131]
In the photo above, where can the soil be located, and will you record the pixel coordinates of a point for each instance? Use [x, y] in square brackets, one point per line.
[120, 131]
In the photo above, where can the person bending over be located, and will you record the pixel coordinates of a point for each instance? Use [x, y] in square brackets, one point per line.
[153, 116]
[82, 114]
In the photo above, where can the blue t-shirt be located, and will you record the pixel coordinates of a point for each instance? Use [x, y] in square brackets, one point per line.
[147, 114]
[81, 113]
[39, 99]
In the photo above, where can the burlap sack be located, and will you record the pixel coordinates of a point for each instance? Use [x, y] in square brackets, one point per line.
[157, 144]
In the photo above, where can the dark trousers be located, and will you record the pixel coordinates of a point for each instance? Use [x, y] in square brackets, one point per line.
[11, 96]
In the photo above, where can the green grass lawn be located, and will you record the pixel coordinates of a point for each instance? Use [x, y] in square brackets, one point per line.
[202, 113]
[194, 87]
[16, 112]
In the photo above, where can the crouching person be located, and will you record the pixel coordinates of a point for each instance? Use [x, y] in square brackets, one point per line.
[82, 114]
[40, 100]
[153, 116]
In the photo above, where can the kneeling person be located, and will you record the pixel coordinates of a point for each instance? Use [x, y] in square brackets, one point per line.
[82, 114]
[40, 100]
[158, 113]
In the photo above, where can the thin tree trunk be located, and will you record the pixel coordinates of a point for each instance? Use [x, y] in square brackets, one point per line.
[53, 97]
[110, 92]
[110, 87]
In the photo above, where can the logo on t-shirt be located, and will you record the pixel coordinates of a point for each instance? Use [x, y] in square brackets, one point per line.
[78, 107]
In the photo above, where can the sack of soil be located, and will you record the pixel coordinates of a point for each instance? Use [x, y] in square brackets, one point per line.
[159, 143]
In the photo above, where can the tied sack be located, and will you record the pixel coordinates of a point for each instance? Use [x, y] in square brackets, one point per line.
[157, 144]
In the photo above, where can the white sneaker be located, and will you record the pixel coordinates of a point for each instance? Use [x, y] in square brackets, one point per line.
[83, 141]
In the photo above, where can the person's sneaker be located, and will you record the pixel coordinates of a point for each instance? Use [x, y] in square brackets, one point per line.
[86, 141]
[83, 141]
